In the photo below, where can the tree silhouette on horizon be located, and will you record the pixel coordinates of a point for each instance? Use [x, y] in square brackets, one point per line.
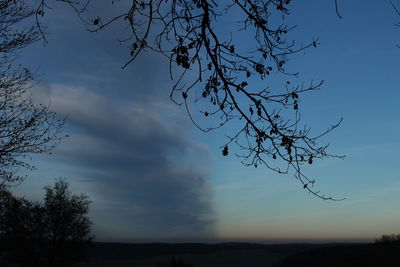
[53, 232]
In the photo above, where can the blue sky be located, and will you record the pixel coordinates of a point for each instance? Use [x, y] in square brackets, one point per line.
[152, 176]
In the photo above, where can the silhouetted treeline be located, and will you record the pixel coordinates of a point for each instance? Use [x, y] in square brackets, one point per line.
[378, 254]
[388, 239]
[52, 233]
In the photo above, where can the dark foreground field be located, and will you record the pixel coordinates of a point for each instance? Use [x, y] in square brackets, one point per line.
[378, 254]
[238, 255]
[206, 255]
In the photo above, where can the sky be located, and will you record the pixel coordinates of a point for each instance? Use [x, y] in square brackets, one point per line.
[153, 176]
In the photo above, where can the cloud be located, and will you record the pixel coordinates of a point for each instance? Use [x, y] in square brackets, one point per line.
[142, 169]
[128, 146]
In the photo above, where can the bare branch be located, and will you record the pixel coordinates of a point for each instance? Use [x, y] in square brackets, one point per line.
[25, 127]
[227, 81]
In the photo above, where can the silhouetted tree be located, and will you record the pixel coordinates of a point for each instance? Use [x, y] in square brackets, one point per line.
[68, 223]
[52, 233]
[389, 239]
[178, 263]
[25, 127]
[172, 262]
[21, 227]
[181, 263]
[226, 79]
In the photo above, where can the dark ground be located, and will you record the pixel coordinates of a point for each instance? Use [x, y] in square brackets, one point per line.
[239, 255]
[379, 254]
[203, 255]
